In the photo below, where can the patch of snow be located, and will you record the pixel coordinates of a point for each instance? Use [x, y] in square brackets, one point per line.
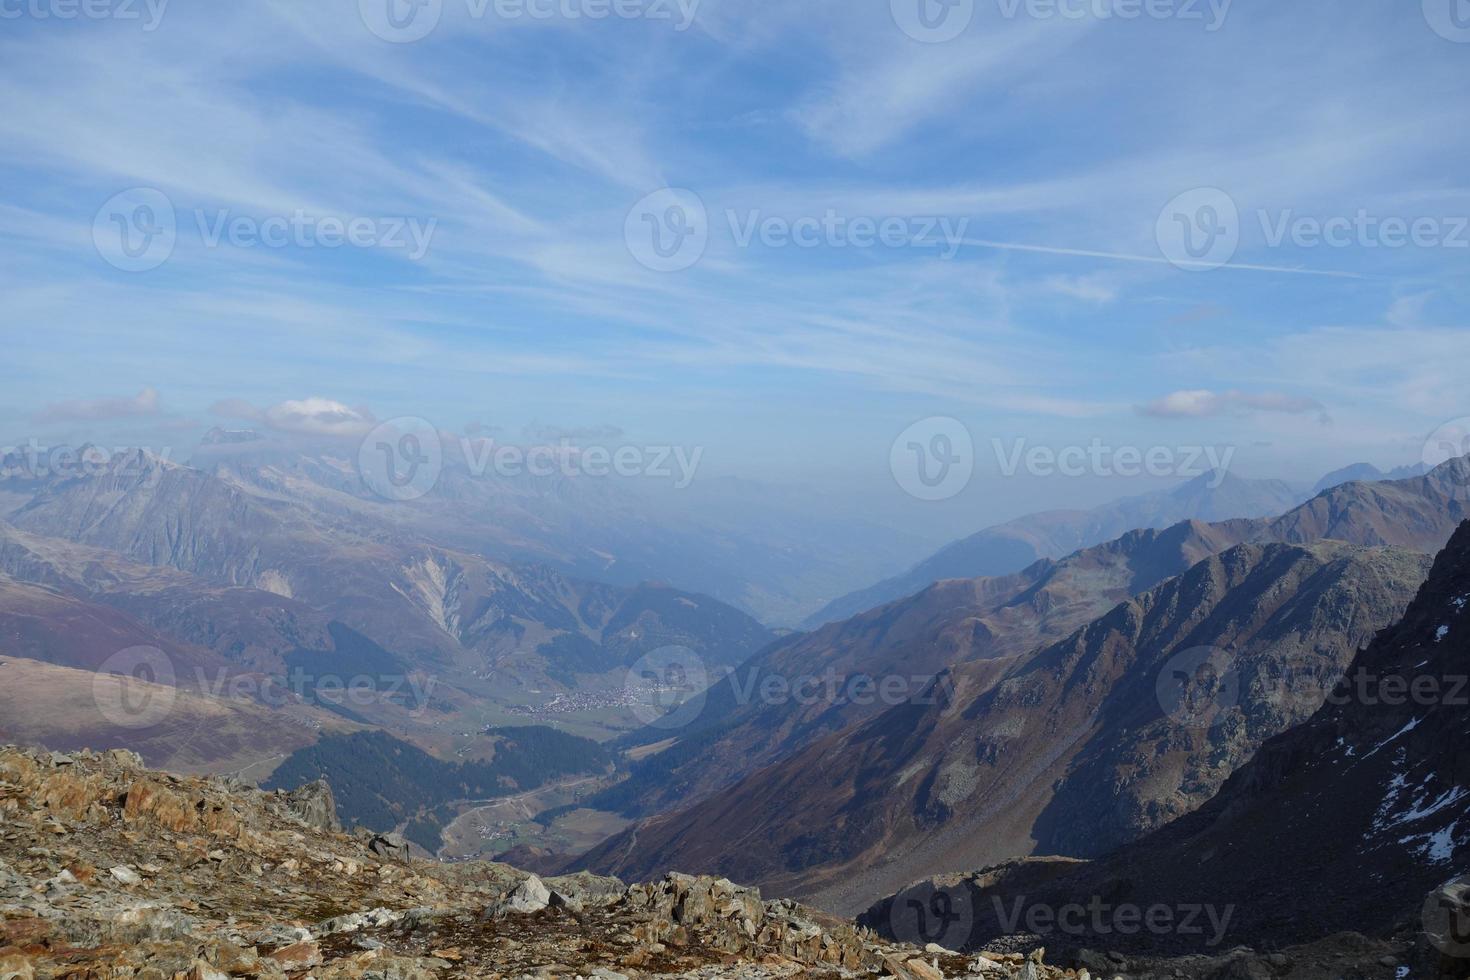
[1441, 633]
[1420, 810]
[1391, 794]
[1437, 848]
[1442, 845]
[1413, 724]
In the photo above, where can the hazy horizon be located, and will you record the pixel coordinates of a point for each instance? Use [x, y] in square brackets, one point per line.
[274, 215]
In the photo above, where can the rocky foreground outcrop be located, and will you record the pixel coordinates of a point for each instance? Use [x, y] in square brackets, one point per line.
[108, 869]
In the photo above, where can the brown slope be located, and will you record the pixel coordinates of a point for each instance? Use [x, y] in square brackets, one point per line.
[736, 731]
[481, 623]
[74, 672]
[1419, 513]
[49, 626]
[1345, 822]
[65, 708]
[742, 725]
[250, 627]
[1069, 752]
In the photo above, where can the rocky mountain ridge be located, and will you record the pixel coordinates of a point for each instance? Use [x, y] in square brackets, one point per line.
[984, 622]
[110, 870]
[1012, 546]
[1073, 749]
[1356, 819]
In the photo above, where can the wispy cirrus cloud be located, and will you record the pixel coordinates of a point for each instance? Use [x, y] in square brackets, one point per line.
[530, 142]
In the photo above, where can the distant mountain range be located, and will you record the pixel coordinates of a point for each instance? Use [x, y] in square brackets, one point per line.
[1012, 546]
[888, 789]
[434, 607]
[242, 578]
[773, 552]
[1352, 821]
[1066, 752]
[1367, 473]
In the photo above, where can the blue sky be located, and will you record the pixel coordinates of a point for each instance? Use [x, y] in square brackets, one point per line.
[1049, 141]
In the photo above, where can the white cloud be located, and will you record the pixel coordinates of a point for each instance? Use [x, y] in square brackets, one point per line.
[1203, 403]
[314, 416]
[145, 403]
[318, 416]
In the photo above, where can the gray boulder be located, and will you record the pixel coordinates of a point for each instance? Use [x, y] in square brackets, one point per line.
[314, 805]
[529, 896]
[390, 846]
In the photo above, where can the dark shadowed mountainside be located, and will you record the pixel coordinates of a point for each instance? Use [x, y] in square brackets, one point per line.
[985, 621]
[1075, 749]
[1348, 821]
